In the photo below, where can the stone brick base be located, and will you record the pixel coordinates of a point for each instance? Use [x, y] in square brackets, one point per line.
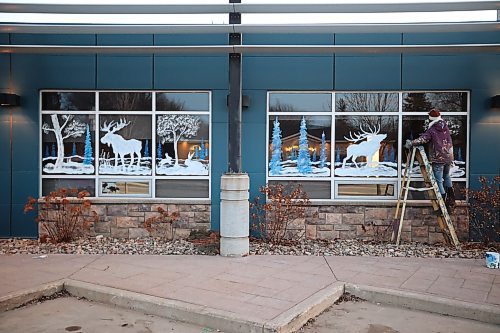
[126, 220]
[374, 222]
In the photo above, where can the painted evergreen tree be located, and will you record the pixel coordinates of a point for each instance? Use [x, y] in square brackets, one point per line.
[275, 164]
[159, 153]
[47, 152]
[202, 149]
[304, 159]
[53, 152]
[459, 154]
[322, 153]
[73, 151]
[146, 148]
[337, 155]
[197, 152]
[87, 157]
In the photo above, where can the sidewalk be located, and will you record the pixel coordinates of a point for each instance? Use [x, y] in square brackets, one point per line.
[255, 288]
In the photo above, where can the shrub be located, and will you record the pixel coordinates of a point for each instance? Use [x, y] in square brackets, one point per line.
[163, 225]
[64, 214]
[273, 219]
[484, 210]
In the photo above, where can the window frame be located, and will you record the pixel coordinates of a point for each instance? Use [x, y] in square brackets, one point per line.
[333, 113]
[153, 113]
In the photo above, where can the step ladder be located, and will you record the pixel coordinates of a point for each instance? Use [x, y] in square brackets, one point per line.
[431, 187]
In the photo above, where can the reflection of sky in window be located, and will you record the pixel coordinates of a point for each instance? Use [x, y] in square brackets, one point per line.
[362, 102]
[190, 101]
[299, 102]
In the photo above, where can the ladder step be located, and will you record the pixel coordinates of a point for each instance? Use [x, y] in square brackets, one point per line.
[420, 189]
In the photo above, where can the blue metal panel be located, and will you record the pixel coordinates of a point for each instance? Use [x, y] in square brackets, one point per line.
[254, 147]
[367, 39]
[190, 72]
[219, 162]
[25, 146]
[453, 38]
[256, 113]
[4, 218]
[124, 72]
[191, 39]
[287, 39]
[367, 72]
[219, 106]
[52, 39]
[23, 225]
[124, 39]
[299, 73]
[24, 185]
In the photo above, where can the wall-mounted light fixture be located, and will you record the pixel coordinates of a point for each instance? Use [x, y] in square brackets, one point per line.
[495, 102]
[7, 99]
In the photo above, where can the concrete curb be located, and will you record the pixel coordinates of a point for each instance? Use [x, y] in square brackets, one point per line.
[428, 303]
[167, 308]
[16, 299]
[295, 317]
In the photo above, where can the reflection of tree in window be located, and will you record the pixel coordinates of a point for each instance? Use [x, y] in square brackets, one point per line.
[445, 101]
[364, 102]
[416, 102]
[282, 107]
[68, 101]
[166, 104]
[125, 101]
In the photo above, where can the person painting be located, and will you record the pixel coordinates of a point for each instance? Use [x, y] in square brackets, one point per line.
[440, 154]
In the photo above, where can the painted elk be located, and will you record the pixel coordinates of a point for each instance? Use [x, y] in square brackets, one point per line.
[366, 148]
[121, 146]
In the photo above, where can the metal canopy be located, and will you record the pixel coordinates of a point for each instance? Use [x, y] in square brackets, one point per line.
[145, 8]
[250, 49]
[247, 28]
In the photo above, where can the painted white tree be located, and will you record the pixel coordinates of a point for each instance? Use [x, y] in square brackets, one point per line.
[70, 128]
[121, 146]
[174, 127]
[366, 148]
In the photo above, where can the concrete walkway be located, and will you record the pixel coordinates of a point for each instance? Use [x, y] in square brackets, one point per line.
[260, 289]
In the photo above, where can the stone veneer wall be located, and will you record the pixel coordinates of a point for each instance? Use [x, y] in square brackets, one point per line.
[125, 219]
[373, 221]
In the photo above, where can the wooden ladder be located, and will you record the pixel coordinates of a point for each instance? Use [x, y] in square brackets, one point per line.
[431, 187]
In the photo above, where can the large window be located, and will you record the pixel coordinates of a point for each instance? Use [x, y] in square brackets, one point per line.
[153, 144]
[349, 145]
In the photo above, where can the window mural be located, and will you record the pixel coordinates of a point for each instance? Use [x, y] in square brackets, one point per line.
[124, 139]
[299, 146]
[354, 150]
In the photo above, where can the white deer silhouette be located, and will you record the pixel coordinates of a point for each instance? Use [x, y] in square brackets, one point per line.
[366, 148]
[121, 146]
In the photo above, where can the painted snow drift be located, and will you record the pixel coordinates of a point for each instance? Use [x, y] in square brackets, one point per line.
[172, 128]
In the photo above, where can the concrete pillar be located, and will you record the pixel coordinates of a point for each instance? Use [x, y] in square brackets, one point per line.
[234, 215]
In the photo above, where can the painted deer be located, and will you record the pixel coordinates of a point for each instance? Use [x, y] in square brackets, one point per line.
[121, 146]
[366, 148]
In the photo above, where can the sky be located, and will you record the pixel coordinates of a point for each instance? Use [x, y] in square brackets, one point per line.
[340, 18]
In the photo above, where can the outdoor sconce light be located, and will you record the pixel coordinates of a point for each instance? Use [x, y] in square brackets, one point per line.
[495, 102]
[7, 99]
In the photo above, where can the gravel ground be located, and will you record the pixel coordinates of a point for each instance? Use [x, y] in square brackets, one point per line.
[103, 245]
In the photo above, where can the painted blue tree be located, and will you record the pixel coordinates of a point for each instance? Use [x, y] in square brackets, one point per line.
[275, 164]
[392, 155]
[197, 152]
[47, 152]
[53, 152]
[304, 159]
[337, 155]
[87, 156]
[322, 153]
[459, 154]
[146, 148]
[73, 151]
[202, 149]
[159, 152]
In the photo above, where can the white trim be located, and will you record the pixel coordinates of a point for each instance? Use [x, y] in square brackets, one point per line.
[367, 197]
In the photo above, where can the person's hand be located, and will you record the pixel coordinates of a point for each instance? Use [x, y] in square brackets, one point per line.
[408, 144]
